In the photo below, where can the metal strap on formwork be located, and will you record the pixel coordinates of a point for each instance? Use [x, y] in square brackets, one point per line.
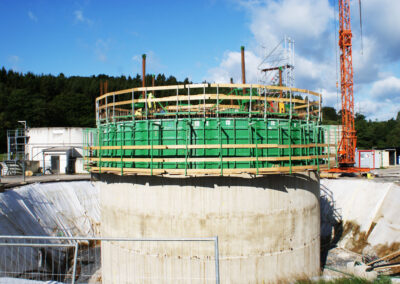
[177, 102]
[107, 109]
[290, 146]
[316, 146]
[122, 142]
[145, 104]
[257, 166]
[329, 147]
[319, 108]
[309, 138]
[133, 105]
[188, 92]
[204, 101]
[279, 138]
[302, 140]
[266, 138]
[217, 101]
[151, 151]
[291, 106]
[308, 107]
[204, 140]
[113, 118]
[336, 147]
[265, 103]
[186, 145]
[251, 95]
[100, 142]
[250, 139]
[220, 146]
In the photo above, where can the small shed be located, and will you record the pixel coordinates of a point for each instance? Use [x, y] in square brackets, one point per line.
[365, 159]
[58, 149]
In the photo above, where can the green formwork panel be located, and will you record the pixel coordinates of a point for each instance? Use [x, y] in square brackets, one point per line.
[205, 131]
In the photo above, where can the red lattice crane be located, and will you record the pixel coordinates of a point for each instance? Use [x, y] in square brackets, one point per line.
[348, 142]
[347, 146]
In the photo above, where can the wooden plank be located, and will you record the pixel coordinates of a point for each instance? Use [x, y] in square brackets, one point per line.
[305, 106]
[255, 86]
[386, 266]
[207, 146]
[211, 172]
[201, 159]
[194, 86]
[155, 88]
[182, 98]
[201, 106]
[389, 256]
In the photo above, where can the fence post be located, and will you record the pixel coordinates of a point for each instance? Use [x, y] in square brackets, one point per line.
[75, 260]
[216, 260]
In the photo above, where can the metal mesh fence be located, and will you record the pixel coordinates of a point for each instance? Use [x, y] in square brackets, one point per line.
[108, 260]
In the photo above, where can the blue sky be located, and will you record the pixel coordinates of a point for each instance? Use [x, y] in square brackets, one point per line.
[183, 38]
[201, 40]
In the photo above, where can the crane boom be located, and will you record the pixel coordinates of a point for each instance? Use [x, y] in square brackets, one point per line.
[348, 141]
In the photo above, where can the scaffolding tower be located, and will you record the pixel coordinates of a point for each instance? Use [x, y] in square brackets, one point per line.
[16, 142]
[277, 66]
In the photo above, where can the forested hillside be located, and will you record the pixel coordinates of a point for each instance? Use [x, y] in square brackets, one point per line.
[47, 100]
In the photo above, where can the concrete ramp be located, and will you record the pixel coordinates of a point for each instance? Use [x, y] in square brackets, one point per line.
[370, 214]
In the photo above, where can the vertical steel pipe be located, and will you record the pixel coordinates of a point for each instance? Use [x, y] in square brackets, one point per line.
[243, 69]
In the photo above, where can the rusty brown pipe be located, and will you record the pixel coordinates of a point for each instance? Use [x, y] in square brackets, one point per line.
[144, 73]
[243, 69]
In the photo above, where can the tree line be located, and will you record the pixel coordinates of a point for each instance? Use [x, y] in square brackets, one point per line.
[370, 134]
[57, 101]
[60, 101]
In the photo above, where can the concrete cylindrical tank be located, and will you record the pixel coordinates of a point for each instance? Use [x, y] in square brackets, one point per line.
[268, 228]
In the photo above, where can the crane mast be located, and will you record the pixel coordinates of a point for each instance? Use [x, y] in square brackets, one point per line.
[347, 146]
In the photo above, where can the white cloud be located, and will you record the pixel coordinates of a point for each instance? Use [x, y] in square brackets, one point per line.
[101, 49]
[153, 63]
[230, 67]
[376, 109]
[14, 61]
[79, 17]
[311, 24]
[32, 16]
[381, 19]
[388, 89]
[136, 58]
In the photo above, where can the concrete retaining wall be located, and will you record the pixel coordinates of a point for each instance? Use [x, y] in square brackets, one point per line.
[268, 228]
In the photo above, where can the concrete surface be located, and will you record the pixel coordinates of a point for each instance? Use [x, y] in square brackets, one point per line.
[268, 228]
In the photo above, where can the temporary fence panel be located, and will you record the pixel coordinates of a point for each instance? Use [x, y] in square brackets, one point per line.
[80, 260]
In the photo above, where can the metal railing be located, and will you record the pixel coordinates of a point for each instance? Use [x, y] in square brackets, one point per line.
[101, 260]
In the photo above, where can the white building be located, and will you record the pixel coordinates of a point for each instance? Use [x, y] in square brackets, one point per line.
[59, 149]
